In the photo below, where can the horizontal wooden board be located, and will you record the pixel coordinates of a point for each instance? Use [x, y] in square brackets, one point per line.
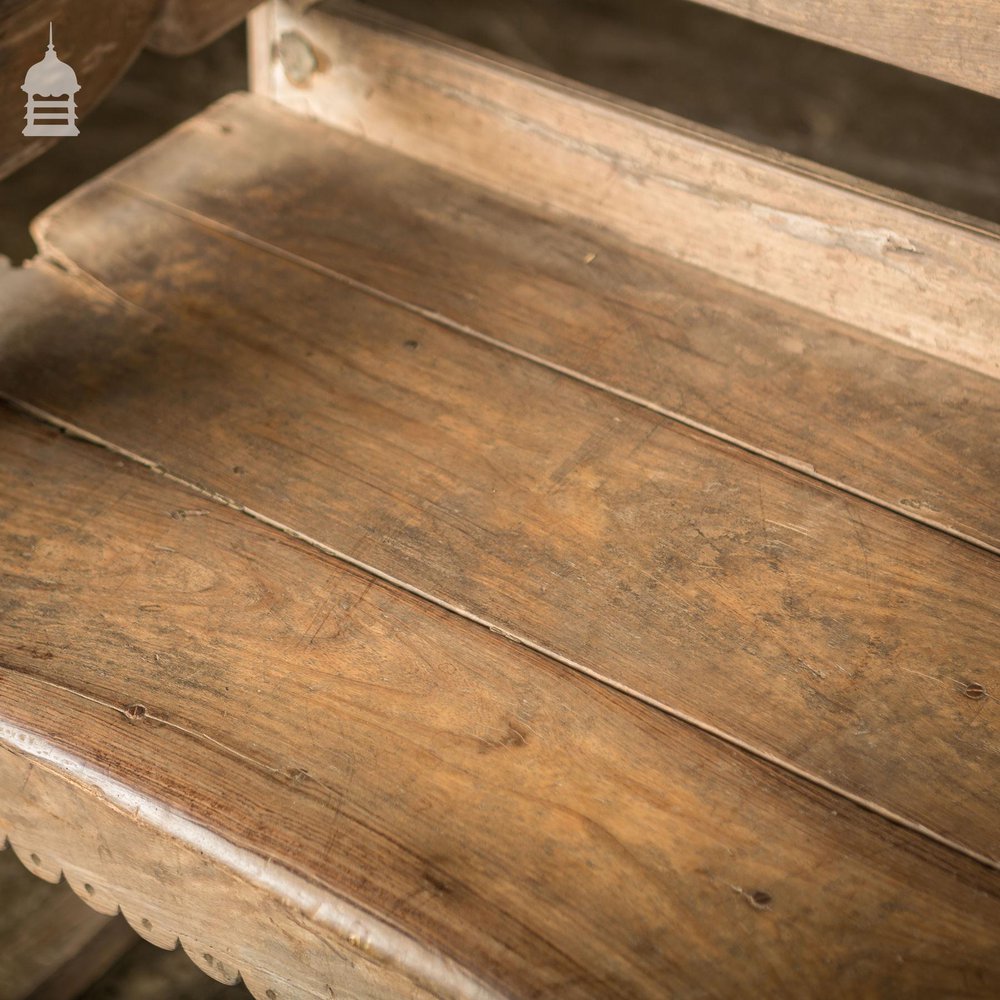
[870, 119]
[955, 40]
[843, 640]
[191, 700]
[823, 240]
[891, 423]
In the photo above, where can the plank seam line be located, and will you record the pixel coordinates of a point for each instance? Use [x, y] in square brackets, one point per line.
[772, 759]
[787, 462]
[618, 106]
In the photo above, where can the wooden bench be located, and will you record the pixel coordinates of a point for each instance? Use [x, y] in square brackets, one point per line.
[464, 535]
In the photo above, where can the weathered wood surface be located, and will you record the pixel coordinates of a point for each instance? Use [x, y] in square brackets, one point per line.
[897, 425]
[871, 119]
[700, 577]
[955, 40]
[40, 931]
[332, 786]
[850, 250]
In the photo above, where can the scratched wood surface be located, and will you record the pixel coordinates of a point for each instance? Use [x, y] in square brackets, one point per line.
[889, 422]
[901, 268]
[185, 689]
[956, 40]
[700, 577]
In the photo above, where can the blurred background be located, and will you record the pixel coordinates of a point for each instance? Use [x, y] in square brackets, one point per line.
[917, 135]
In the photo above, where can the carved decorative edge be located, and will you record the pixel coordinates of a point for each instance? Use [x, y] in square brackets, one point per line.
[64, 818]
[102, 898]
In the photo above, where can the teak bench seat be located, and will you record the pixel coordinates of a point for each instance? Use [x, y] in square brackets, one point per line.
[465, 536]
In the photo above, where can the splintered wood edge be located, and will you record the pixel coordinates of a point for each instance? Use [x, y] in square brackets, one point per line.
[894, 265]
[238, 915]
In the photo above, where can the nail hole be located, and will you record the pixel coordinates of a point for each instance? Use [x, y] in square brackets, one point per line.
[411, 345]
[35, 859]
[975, 691]
[88, 888]
[208, 958]
[760, 899]
[135, 711]
[147, 924]
[271, 995]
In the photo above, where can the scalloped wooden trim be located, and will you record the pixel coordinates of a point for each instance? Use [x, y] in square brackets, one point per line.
[237, 915]
[102, 899]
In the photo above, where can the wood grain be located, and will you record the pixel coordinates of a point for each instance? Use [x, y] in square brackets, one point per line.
[955, 40]
[891, 423]
[683, 569]
[241, 740]
[855, 252]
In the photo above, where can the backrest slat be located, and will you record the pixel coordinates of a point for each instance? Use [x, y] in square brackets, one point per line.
[953, 40]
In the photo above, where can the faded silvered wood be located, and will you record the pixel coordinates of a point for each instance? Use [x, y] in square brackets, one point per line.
[827, 633]
[333, 787]
[41, 929]
[853, 251]
[955, 40]
[183, 26]
[913, 432]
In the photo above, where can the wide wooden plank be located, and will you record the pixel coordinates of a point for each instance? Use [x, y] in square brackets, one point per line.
[823, 240]
[913, 432]
[192, 702]
[851, 644]
[955, 40]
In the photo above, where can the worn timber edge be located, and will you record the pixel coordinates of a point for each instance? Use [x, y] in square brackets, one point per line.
[859, 253]
[86, 826]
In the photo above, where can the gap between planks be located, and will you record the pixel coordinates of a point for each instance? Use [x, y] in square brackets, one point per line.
[84, 436]
[788, 462]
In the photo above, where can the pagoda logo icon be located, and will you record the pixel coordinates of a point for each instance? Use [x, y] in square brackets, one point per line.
[51, 87]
